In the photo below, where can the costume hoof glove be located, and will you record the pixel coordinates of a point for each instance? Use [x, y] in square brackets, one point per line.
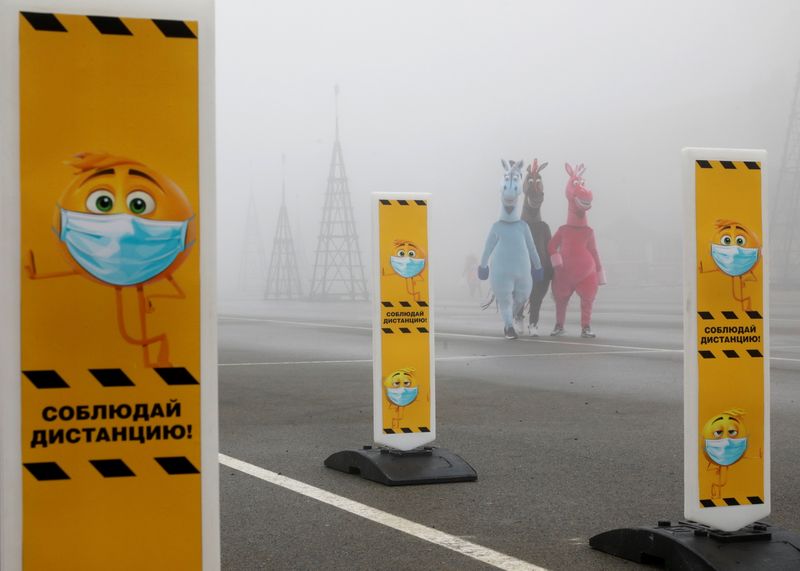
[537, 274]
[483, 272]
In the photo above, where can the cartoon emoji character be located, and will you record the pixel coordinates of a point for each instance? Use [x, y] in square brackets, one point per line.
[123, 224]
[408, 261]
[401, 390]
[735, 250]
[725, 438]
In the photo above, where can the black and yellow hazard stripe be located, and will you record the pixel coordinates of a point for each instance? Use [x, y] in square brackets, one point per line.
[402, 330]
[49, 379]
[110, 468]
[385, 202]
[726, 502]
[729, 165]
[729, 315]
[107, 25]
[406, 430]
[730, 354]
[404, 303]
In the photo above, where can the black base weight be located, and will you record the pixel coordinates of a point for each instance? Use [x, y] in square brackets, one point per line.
[428, 465]
[688, 546]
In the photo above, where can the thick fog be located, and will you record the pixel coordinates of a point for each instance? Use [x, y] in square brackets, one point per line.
[434, 94]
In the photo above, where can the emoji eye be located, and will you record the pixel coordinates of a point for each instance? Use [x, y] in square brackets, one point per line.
[406, 383]
[733, 432]
[395, 384]
[401, 253]
[139, 202]
[726, 240]
[100, 201]
[741, 240]
[412, 254]
[717, 433]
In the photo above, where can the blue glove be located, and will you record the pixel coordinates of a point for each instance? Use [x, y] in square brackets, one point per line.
[537, 275]
[483, 272]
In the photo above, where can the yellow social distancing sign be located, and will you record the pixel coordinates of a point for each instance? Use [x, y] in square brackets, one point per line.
[726, 327]
[404, 395]
[110, 290]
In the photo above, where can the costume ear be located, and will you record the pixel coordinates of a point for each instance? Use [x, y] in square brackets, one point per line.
[520, 166]
[541, 168]
[570, 171]
[534, 166]
[581, 169]
[504, 163]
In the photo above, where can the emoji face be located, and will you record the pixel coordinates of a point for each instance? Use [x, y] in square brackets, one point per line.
[725, 425]
[401, 387]
[735, 248]
[725, 437]
[408, 259]
[122, 222]
[730, 233]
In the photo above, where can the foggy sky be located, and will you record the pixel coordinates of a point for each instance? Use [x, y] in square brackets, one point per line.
[435, 93]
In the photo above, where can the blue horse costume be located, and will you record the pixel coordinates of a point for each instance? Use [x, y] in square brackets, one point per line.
[515, 262]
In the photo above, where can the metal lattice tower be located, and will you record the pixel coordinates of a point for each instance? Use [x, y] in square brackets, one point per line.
[253, 266]
[338, 270]
[283, 277]
[785, 231]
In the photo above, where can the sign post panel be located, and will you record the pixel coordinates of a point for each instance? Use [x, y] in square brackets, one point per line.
[726, 338]
[114, 338]
[404, 401]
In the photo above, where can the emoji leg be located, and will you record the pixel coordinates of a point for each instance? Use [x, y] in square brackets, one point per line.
[163, 349]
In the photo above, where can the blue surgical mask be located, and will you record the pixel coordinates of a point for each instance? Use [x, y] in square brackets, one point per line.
[734, 260]
[402, 396]
[726, 451]
[406, 266]
[121, 249]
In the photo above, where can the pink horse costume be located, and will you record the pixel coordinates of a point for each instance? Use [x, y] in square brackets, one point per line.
[573, 253]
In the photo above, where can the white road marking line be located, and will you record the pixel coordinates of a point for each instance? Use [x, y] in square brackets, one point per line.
[455, 358]
[446, 334]
[457, 544]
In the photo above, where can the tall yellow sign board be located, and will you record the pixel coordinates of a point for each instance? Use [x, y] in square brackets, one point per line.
[404, 395]
[726, 339]
[110, 293]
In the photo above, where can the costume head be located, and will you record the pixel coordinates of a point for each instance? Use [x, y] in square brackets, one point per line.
[123, 223]
[533, 187]
[578, 196]
[512, 189]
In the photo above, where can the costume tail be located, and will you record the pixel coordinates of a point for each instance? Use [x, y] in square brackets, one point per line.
[486, 305]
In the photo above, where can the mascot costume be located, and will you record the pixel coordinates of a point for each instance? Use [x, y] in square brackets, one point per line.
[531, 213]
[573, 253]
[515, 263]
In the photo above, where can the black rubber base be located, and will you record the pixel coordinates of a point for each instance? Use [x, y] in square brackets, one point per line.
[428, 465]
[694, 547]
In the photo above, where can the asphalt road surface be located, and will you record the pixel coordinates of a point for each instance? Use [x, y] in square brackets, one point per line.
[570, 437]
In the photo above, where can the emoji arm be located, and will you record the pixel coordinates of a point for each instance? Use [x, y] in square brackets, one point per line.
[177, 294]
[33, 274]
[702, 271]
